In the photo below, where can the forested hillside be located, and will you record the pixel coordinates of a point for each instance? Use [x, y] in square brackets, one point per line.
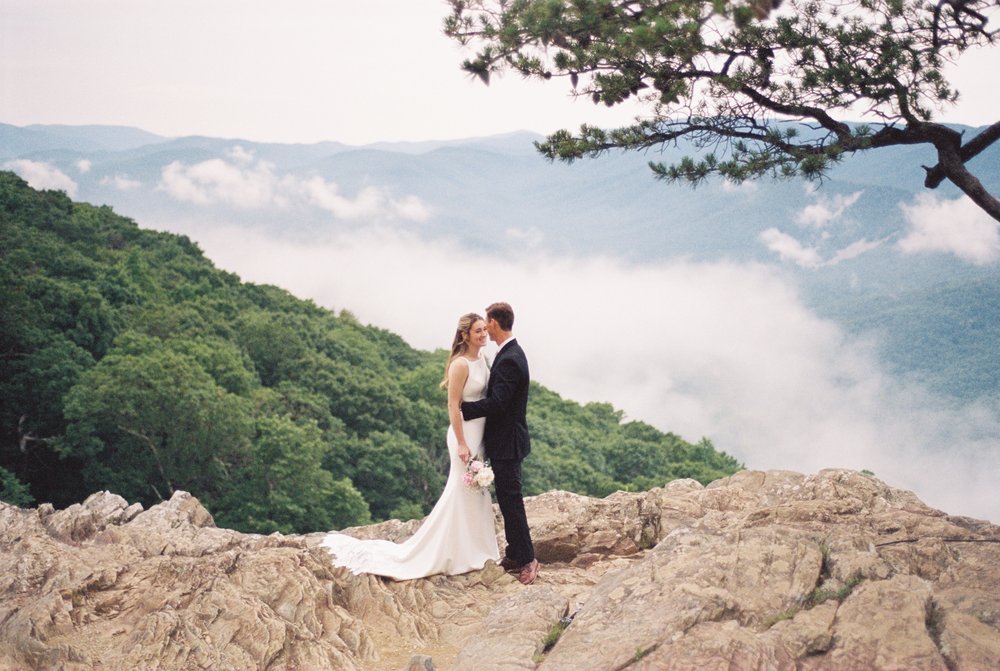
[128, 362]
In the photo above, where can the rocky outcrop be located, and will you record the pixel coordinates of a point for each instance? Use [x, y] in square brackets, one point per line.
[760, 570]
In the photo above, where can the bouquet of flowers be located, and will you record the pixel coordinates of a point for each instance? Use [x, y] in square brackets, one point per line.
[478, 475]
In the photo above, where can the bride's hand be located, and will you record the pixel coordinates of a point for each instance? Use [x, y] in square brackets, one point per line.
[464, 453]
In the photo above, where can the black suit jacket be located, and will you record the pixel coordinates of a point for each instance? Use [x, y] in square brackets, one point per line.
[505, 406]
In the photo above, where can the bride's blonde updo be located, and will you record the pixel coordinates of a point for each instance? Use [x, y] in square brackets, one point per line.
[460, 343]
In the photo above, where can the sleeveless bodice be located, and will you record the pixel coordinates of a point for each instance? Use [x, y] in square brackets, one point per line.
[475, 386]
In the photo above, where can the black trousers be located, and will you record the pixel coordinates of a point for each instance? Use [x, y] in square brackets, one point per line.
[507, 483]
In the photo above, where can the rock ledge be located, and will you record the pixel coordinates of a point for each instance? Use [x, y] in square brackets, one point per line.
[772, 569]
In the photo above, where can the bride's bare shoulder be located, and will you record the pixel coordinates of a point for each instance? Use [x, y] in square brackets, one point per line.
[458, 366]
[460, 362]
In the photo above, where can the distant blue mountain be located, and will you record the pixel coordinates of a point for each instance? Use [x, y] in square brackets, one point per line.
[16, 141]
[937, 317]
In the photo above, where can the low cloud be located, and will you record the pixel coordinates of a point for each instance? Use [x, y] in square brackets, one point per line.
[531, 238]
[721, 350]
[956, 227]
[370, 203]
[219, 181]
[817, 216]
[411, 208]
[826, 209]
[854, 250]
[84, 165]
[121, 182]
[245, 182]
[43, 176]
[326, 196]
[790, 249]
[241, 155]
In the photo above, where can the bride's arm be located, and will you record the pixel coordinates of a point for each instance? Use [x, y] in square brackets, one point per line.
[458, 373]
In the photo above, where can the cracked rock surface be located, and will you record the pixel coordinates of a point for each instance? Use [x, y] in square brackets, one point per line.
[761, 570]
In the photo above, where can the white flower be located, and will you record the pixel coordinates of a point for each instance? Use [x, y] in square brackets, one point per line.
[484, 478]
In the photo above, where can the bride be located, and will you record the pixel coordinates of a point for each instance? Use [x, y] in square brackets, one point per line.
[458, 536]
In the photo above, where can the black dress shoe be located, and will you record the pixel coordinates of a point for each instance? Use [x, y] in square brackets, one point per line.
[510, 565]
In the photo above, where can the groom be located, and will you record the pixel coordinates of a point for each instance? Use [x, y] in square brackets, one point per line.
[506, 437]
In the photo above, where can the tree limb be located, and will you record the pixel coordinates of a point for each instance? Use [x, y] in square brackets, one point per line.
[820, 115]
[951, 163]
[969, 150]
[26, 437]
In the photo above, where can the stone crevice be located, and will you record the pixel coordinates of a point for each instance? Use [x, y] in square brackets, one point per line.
[934, 622]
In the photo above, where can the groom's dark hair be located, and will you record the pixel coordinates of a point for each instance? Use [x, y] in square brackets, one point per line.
[502, 314]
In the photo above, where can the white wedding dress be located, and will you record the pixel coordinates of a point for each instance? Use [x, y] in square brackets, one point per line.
[458, 536]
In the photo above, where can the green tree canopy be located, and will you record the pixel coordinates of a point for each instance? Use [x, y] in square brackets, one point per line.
[283, 487]
[403, 482]
[154, 421]
[723, 74]
[13, 491]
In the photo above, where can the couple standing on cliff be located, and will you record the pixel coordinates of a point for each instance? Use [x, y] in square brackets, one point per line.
[487, 419]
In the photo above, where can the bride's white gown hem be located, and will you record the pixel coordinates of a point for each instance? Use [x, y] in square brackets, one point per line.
[457, 536]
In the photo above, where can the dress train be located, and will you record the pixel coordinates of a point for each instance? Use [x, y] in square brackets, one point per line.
[457, 536]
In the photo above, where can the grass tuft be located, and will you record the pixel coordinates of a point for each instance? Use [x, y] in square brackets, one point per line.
[553, 636]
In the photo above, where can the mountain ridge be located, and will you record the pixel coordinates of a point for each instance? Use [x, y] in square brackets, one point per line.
[474, 188]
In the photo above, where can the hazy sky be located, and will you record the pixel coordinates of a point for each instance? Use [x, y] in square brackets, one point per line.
[293, 71]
